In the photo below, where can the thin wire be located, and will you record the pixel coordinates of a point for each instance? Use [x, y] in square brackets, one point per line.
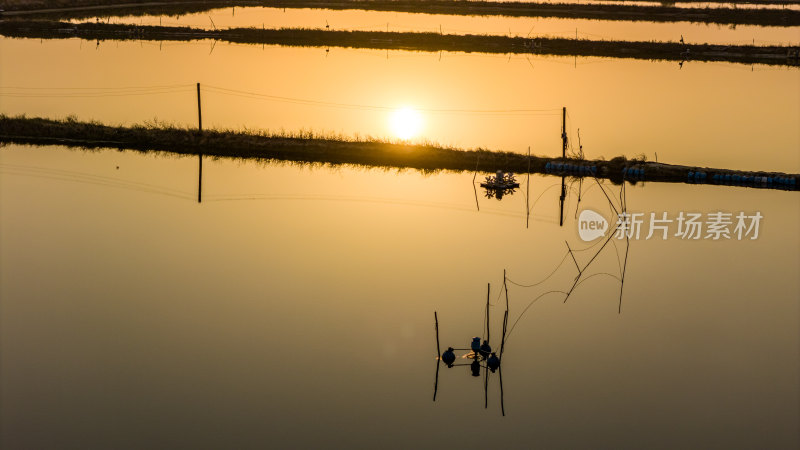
[249, 94]
[130, 186]
[38, 93]
[110, 88]
[91, 177]
[543, 280]
[508, 334]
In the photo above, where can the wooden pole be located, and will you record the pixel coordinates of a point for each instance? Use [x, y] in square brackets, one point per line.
[527, 196]
[502, 404]
[561, 203]
[438, 356]
[200, 161]
[486, 389]
[503, 339]
[436, 381]
[199, 112]
[488, 292]
[564, 132]
[505, 287]
[436, 322]
[200, 178]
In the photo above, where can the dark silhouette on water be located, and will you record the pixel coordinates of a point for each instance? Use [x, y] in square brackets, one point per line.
[481, 354]
[449, 357]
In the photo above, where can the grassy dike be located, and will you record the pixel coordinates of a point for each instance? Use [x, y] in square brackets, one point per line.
[372, 153]
[427, 42]
[565, 9]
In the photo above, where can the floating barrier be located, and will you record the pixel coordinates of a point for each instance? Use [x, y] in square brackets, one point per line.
[693, 176]
[633, 173]
[697, 177]
[738, 179]
[571, 169]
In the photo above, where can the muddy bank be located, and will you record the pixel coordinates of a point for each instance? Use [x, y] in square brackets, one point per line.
[428, 42]
[321, 149]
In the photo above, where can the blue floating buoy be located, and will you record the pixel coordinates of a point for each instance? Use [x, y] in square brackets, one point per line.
[485, 348]
[475, 345]
[493, 362]
[448, 356]
[691, 176]
[547, 167]
[727, 177]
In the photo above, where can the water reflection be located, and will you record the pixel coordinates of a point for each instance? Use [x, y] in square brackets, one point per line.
[455, 24]
[479, 351]
[198, 291]
[488, 118]
[500, 184]
[481, 354]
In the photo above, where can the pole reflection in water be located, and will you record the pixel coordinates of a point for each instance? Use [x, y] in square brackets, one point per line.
[481, 354]
[200, 178]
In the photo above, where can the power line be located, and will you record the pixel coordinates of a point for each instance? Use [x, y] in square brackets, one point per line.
[89, 92]
[256, 95]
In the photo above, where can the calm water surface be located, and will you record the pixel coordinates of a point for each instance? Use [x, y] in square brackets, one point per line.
[293, 307]
[454, 24]
[706, 114]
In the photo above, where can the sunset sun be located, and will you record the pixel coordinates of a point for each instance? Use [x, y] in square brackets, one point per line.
[406, 123]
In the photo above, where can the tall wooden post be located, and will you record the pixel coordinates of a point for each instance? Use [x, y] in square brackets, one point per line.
[200, 178]
[563, 131]
[200, 156]
[527, 198]
[436, 325]
[199, 111]
[561, 203]
[488, 293]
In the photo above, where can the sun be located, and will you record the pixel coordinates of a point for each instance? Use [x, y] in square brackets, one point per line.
[406, 123]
